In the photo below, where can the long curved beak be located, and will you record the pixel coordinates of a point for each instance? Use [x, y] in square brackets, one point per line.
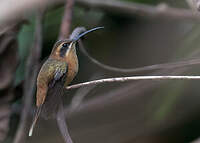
[73, 43]
[84, 33]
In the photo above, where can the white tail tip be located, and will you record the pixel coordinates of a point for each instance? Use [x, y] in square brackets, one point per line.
[30, 132]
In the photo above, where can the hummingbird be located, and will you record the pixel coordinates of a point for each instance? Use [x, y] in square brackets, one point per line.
[55, 74]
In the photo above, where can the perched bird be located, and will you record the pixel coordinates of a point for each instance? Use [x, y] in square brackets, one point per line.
[56, 73]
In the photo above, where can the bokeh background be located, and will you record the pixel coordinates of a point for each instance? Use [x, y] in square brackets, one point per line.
[139, 112]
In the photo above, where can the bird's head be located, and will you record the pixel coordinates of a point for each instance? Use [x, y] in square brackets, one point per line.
[64, 49]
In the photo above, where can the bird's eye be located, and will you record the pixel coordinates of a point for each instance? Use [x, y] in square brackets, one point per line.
[64, 49]
[65, 45]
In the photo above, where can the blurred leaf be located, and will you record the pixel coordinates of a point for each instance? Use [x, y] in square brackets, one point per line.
[25, 39]
[171, 93]
[190, 42]
[52, 22]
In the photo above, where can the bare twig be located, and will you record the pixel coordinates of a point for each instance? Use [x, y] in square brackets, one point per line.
[9, 12]
[124, 79]
[171, 65]
[123, 94]
[66, 20]
[146, 11]
[62, 124]
[30, 79]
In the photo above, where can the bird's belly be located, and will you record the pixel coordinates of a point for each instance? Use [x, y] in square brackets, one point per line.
[72, 71]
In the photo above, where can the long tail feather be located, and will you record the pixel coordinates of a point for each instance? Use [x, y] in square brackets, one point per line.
[35, 120]
[62, 125]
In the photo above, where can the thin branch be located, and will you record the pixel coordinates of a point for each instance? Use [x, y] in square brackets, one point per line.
[134, 78]
[145, 11]
[66, 20]
[171, 65]
[123, 94]
[30, 79]
[9, 12]
[63, 125]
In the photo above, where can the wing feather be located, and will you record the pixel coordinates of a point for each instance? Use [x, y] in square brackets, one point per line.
[50, 84]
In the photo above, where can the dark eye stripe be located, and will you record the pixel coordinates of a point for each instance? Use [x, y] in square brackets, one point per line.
[63, 49]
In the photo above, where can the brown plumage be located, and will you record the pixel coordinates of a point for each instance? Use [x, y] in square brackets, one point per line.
[55, 67]
[56, 73]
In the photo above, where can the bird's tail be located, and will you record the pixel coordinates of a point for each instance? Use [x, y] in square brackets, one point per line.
[35, 120]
